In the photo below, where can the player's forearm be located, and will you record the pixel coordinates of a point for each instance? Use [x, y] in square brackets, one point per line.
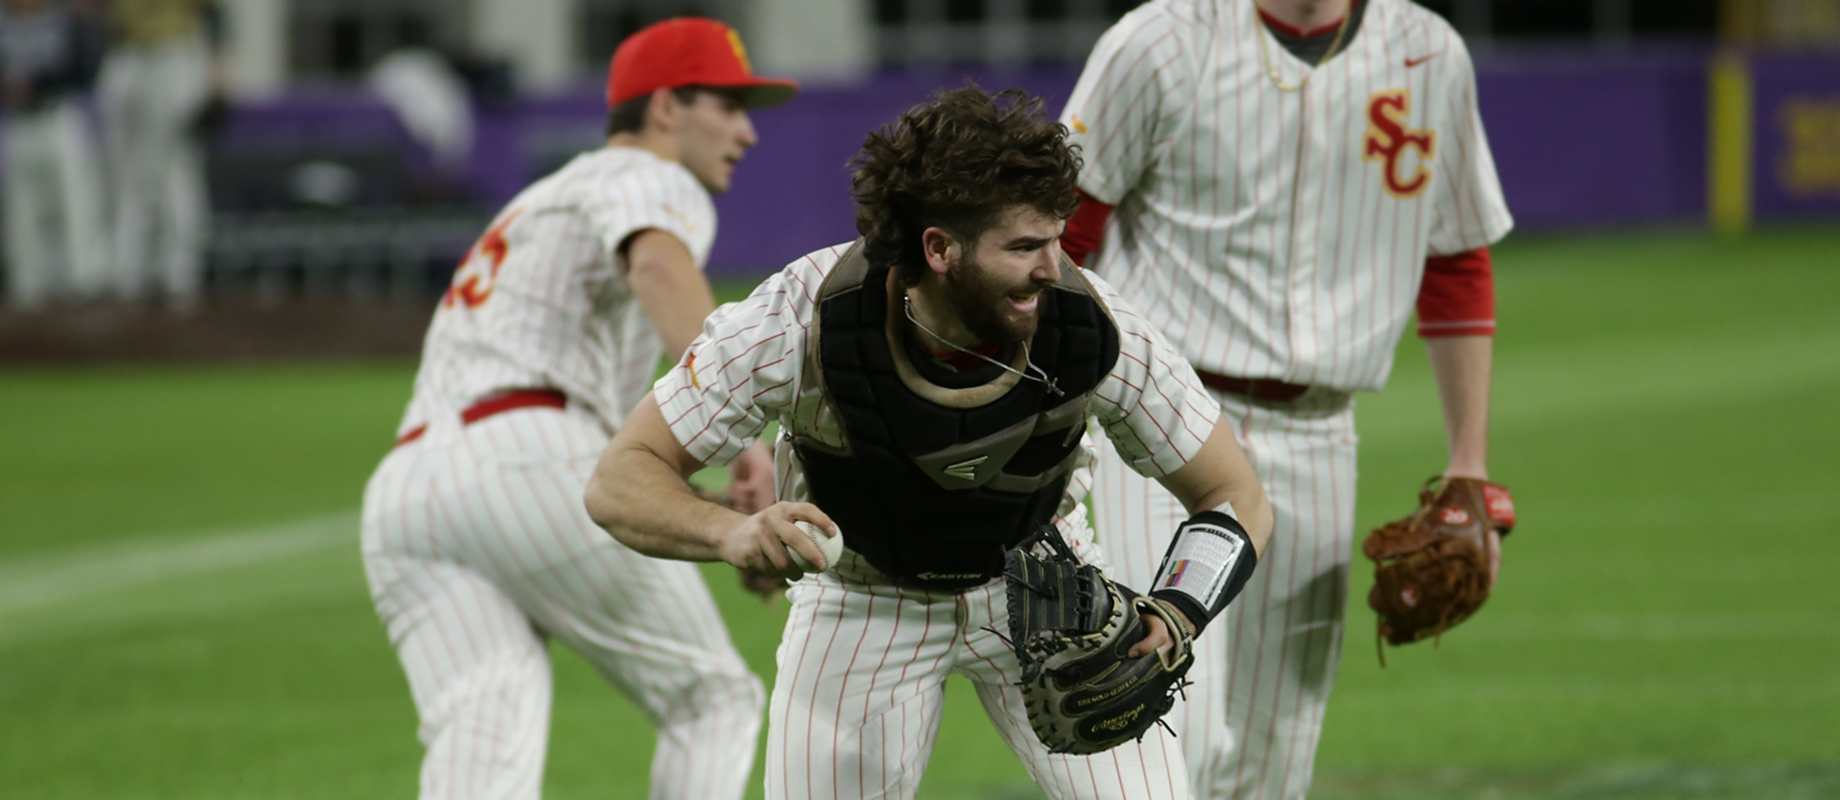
[1250, 507]
[638, 493]
[636, 497]
[1462, 365]
[1219, 473]
[1209, 547]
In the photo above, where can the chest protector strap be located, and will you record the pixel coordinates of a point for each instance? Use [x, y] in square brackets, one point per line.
[934, 483]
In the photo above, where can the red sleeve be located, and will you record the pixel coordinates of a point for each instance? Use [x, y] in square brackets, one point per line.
[1457, 297]
[1085, 228]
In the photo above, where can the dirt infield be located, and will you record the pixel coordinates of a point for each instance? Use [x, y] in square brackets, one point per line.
[225, 330]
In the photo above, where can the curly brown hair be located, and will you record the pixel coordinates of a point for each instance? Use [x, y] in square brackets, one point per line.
[955, 163]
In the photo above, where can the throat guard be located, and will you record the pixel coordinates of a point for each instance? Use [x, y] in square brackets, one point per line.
[935, 482]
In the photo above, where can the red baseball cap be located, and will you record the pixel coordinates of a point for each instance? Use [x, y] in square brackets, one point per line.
[689, 51]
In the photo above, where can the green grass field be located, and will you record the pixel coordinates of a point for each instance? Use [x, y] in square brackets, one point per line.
[183, 613]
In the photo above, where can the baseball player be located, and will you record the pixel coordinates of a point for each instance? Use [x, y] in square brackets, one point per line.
[158, 77]
[931, 382]
[1279, 184]
[476, 546]
[49, 55]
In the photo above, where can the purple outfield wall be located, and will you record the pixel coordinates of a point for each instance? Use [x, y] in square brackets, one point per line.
[1594, 139]
[1581, 139]
[1795, 104]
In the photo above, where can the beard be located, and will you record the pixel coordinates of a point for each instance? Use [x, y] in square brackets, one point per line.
[984, 307]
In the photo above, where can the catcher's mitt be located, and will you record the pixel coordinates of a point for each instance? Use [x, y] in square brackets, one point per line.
[1432, 568]
[1071, 628]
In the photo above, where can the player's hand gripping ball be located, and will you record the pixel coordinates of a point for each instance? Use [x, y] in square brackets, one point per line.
[1432, 567]
[1071, 628]
[830, 546]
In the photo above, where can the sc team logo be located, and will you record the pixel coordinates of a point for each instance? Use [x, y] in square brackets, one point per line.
[1388, 138]
[734, 40]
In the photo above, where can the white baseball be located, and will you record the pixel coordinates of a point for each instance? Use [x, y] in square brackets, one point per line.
[830, 546]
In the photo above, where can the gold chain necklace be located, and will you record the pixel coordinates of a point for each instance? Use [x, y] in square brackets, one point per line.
[1265, 52]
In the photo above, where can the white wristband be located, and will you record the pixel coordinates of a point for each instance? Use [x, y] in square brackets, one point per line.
[1208, 562]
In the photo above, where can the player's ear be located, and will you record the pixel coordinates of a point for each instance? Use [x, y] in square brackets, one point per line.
[940, 249]
[663, 110]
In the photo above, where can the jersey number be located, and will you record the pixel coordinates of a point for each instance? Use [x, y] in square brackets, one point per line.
[478, 271]
[1388, 138]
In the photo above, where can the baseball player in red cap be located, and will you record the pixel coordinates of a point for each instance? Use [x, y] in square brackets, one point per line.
[476, 545]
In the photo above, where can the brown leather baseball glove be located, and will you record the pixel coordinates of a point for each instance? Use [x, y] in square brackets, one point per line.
[1432, 568]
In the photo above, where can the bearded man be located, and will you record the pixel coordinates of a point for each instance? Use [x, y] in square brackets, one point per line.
[932, 381]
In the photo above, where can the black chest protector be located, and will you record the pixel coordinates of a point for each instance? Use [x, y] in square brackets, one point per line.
[935, 482]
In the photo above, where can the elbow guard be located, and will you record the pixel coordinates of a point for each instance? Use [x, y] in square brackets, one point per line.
[1207, 565]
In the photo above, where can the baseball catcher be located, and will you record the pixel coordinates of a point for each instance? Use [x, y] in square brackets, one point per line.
[1073, 630]
[1432, 568]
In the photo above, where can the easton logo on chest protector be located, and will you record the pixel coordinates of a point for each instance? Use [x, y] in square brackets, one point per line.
[966, 470]
[934, 481]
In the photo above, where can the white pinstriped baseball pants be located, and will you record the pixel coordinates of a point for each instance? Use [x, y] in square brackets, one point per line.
[1262, 670]
[862, 672]
[478, 549]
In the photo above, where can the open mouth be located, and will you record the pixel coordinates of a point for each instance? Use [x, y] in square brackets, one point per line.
[1025, 302]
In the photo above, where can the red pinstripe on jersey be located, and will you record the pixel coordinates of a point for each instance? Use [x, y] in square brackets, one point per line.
[477, 549]
[862, 677]
[862, 664]
[546, 298]
[751, 363]
[1280, 235]
[1290, 259]
[476, 543]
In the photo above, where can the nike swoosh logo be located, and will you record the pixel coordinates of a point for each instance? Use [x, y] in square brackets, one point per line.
[691, 226]
[1413, 62]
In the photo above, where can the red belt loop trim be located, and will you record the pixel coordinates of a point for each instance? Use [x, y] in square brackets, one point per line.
[1256, 388]
[497, 404]
[513, 400]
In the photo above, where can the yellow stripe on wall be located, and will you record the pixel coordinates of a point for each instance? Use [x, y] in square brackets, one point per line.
[1729, 171]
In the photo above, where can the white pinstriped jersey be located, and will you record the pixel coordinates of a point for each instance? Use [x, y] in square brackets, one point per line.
[1282, 234]
[750, 366]
[542, 300]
